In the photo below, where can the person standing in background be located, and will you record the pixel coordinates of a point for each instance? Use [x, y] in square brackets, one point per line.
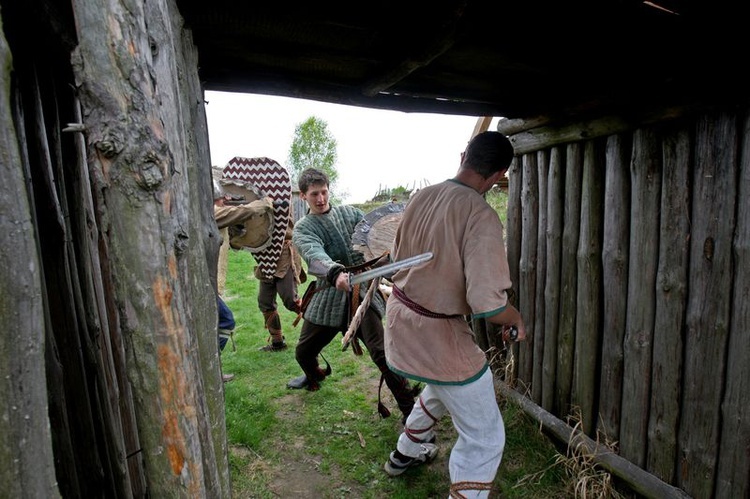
[226, 216]
[288, 276]
[246, 225]
[427, 337]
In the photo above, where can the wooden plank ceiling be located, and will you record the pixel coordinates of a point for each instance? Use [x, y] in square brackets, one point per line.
[519, 59]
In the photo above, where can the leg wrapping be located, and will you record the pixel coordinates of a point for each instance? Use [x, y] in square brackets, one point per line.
[459, 486]
[273, 324]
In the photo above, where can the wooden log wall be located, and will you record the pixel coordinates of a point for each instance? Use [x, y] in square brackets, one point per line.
[112, 376]
[636, 242]
[28, 470]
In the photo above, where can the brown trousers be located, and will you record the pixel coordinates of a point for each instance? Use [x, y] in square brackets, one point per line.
[313, 338]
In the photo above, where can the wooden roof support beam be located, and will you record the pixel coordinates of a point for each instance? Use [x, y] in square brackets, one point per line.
[483, 124]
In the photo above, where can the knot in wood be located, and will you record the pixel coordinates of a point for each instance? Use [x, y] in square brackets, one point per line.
[180, 241]
[151, 174]
[708, 248]
[111, 145]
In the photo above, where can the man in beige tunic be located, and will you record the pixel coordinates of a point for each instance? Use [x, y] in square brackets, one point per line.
[427, 337]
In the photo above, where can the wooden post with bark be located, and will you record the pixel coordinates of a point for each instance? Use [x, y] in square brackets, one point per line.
[152, 192]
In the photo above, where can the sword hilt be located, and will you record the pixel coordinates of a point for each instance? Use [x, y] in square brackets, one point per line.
[510, 334]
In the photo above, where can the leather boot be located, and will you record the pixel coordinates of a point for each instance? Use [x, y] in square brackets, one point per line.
[320, 375]
[298, 383]
[304, 382]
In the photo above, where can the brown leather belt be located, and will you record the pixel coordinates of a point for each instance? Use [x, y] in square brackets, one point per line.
[416, 307]
[312, 288]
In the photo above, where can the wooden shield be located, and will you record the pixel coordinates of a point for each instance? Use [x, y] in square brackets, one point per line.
[271, 180]
[374, 235]
[255, 233]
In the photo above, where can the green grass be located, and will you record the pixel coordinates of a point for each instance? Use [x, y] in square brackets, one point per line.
[498, 199]
[332, 443]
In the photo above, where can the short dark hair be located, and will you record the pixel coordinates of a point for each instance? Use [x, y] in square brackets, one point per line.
[488, 153]
[311, 176]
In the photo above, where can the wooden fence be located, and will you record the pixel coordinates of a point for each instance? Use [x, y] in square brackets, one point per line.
[631, 263]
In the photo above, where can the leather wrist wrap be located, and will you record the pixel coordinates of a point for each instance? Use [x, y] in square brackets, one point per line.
[333, 274]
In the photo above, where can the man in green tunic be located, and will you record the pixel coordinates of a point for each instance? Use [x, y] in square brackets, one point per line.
[323, 238]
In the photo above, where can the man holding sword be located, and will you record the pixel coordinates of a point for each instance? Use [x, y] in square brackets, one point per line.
[427, 337]
[323, 237]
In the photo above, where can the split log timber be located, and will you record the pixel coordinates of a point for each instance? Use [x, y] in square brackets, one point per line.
[527, 264]
[541, 273]
[555, 199]
[615, 251]
[26, 448]
[568, 283]
[707, 320]
[588, 295]
[671, 295]
[539, 133]
[645, 175]
[734, 459]
[513, 235]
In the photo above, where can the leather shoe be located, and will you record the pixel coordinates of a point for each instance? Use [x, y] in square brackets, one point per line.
[274, 347]
[298, 383]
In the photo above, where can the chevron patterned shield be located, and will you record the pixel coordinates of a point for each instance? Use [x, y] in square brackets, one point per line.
[272, 181]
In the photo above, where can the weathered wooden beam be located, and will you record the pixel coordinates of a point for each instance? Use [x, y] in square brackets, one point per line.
[531, 138]
[708, 312]
[513, 237]
[540, 306]
[637, 479]
[482, 125]
[554, 207]
[568, 272]
[615, 250]
[527, 265]
[513, 126]
[671, 293]
[152, 186]
[588, 288]
[26, 446]
[645, 174]
[734, 460]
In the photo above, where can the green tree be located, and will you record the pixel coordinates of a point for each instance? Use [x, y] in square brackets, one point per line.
[314, 147]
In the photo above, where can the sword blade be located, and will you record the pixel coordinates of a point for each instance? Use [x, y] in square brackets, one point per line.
[390, 268]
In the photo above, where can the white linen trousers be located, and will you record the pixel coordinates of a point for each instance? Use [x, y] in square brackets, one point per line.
[477, 453]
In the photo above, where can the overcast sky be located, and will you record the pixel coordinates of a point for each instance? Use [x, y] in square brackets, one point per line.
[376, 149]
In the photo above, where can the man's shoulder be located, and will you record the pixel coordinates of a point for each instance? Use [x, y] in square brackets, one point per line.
[303, 224]
[347, 210]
